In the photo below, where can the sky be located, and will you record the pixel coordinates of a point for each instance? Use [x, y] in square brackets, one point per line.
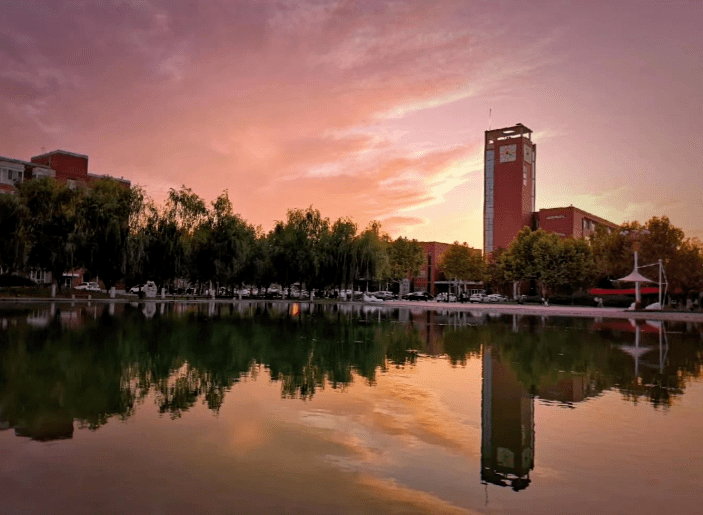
[369, 109]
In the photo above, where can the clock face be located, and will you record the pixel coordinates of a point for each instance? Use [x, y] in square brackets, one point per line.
[508, 153]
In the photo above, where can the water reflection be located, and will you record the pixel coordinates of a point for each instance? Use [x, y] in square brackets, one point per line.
[63, 363]
[507, 426]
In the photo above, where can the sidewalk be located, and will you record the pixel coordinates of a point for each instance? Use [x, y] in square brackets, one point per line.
[519, 309]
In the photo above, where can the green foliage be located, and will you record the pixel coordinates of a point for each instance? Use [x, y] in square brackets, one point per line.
[658, 239]
[406, 258]
[371, 254]
[463, 263]
[103, 218]
[50, 225]
[13, 237]
[222, 245]
[297, 246]
[541, 256]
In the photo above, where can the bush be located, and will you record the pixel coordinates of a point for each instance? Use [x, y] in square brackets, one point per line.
[8, 280]
[561, 300]
[617, 301]
[583, 299]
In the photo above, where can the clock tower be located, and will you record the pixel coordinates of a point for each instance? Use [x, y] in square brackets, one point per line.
[509, 185]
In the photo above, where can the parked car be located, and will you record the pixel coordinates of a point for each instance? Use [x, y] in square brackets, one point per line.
[384, 295]
[92, 286]
[495, 297]
[445, 297]
[477, 297]
[136, 289]
[419, 295]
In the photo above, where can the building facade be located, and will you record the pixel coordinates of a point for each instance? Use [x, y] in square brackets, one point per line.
[509, 184]
[66, 167]
[570, 222]
[431, 279]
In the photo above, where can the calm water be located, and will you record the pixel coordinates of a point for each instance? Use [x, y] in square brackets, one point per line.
[300, 409]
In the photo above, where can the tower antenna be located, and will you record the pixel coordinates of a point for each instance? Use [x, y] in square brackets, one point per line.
[489, 118]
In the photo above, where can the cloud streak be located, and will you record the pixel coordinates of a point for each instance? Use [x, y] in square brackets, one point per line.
[358, 107]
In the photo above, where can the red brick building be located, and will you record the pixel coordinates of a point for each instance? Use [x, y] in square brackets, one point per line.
[66, 167]
[431, 278]
[509, 185]
[510, 181]
[570, 222]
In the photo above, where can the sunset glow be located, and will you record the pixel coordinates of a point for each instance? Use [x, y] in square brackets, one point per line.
[374, 110]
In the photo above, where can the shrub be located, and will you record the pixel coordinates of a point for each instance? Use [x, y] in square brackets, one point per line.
[8, 280]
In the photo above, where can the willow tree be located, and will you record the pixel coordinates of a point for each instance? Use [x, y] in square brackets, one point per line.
[50, 225]
[103, 227]
[13, 236]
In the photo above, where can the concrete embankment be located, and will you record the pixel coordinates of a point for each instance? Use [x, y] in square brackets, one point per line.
[537, 310]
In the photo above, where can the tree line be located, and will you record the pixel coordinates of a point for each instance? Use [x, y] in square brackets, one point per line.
[119, 233]
[563, 266]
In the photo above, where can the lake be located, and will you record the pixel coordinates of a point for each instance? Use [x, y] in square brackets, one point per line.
[299, 408]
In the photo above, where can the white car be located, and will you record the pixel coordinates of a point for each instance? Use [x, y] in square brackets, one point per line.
[148, 289]
[477, 297]
[93, 286]
[495, 297]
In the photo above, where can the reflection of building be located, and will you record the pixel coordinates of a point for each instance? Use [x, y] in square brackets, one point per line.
[569, 387]
[49, 425]
[507, 426]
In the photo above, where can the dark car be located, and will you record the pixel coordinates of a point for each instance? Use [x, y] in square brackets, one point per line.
[419, 295]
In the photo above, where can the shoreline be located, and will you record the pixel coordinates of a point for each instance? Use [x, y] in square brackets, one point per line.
[508, 309]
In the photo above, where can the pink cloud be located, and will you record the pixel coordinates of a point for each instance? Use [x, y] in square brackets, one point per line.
[360, 108]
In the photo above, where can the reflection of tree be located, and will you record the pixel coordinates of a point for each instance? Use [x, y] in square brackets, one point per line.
[567, 354]
[53, 376]
[48, 378]
[463, 342]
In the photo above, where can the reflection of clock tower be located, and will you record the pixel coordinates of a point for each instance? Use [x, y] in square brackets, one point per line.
[509, 185]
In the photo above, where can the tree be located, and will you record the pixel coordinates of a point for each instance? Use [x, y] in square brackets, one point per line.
[50, 225]
[222, 245]
[297, 246]
[338, 263]
[612, 253]
[103, 213]
[406, 258]
[13, 237]
[371, 255]
[544, 257]
[461, 262]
